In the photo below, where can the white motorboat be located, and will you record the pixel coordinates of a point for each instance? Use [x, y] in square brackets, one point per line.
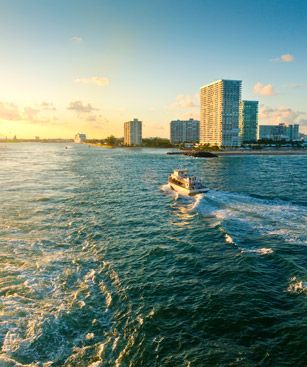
[185, 184]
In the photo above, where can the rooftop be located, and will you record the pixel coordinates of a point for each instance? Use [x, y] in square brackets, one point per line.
[220, 80]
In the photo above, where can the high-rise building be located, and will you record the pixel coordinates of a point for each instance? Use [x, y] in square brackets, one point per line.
[133, 132]
[293, 132]
[279, 132]
[219, 113]
[184, 131]
[248, 121]
[80, 138]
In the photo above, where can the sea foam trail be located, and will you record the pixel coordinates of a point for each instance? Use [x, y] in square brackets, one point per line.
[165, 188]
[243, 217]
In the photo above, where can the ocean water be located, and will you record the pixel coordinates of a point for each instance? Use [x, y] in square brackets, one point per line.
[102, 265]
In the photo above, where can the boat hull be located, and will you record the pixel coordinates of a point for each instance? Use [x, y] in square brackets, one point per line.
[184, 191]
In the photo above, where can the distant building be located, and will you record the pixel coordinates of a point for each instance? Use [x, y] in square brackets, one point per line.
[248, 121]
[184, 131]
[293, 132]
[302, 136]
[80, 138]
[219, 113]
[279, 132]
[133, 132]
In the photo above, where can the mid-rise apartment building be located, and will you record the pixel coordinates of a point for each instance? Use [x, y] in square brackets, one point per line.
[184, 131]
[279, 132]
[133, 132]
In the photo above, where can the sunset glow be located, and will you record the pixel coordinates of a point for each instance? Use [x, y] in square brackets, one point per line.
[72, 66]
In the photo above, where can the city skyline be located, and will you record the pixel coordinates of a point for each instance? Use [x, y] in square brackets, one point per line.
[68, 66]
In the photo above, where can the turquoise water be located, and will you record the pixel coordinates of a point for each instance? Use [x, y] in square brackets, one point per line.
[102, 265]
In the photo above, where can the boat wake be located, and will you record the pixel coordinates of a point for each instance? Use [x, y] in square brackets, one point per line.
[165, 188]
[244, 219]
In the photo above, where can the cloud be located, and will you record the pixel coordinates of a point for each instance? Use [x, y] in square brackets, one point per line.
[80, 108]
[86, 112]
[297, 86]
[47, 106]
[12, 112]
[274, 116]
[96, 80]
[9, 111]
[190, 115]
[76, 40]
[284, 58]
[264, 89]
[185, 102]
[287, 58]
[31, 113]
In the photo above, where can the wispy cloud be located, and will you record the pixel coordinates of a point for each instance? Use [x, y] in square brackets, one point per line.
[185, 102]
[287, 58]
[47, 106]
[85, 111]
[279, 115]
[284, 58]
[95, 80]
[80, 108]
[297, 86]
[39, 114]
[263, 89]
[31, 114]
[76, 40]
[9, 111]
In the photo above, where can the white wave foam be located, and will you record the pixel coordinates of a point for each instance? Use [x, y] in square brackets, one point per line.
[260, 251]
[198, 198]
[89, 336]
[297, 286]
[243, 216]
[106, 293]
[229, 239]
[165, 188]
[96, 364]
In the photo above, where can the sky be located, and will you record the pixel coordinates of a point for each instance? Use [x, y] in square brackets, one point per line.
[70, 66]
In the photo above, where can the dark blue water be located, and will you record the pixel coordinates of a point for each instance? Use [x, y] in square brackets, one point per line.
[102, 265]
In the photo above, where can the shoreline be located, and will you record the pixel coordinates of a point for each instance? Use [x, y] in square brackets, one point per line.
[262, 152]
[175, 151]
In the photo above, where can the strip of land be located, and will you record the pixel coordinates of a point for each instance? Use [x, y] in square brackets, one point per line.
[261, 152]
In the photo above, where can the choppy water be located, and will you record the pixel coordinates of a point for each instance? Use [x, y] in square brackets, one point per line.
[101, 265]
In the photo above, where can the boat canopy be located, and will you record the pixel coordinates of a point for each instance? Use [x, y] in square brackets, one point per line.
[180, 171]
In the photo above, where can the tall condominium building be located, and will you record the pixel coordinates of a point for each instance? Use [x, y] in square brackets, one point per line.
[133, 132]
[184, 131]
[279, 132]
[80, 138]
[294, 132]
[219, 113]
[248, 121]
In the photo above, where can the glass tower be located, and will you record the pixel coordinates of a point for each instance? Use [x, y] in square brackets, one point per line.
[219, 113]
